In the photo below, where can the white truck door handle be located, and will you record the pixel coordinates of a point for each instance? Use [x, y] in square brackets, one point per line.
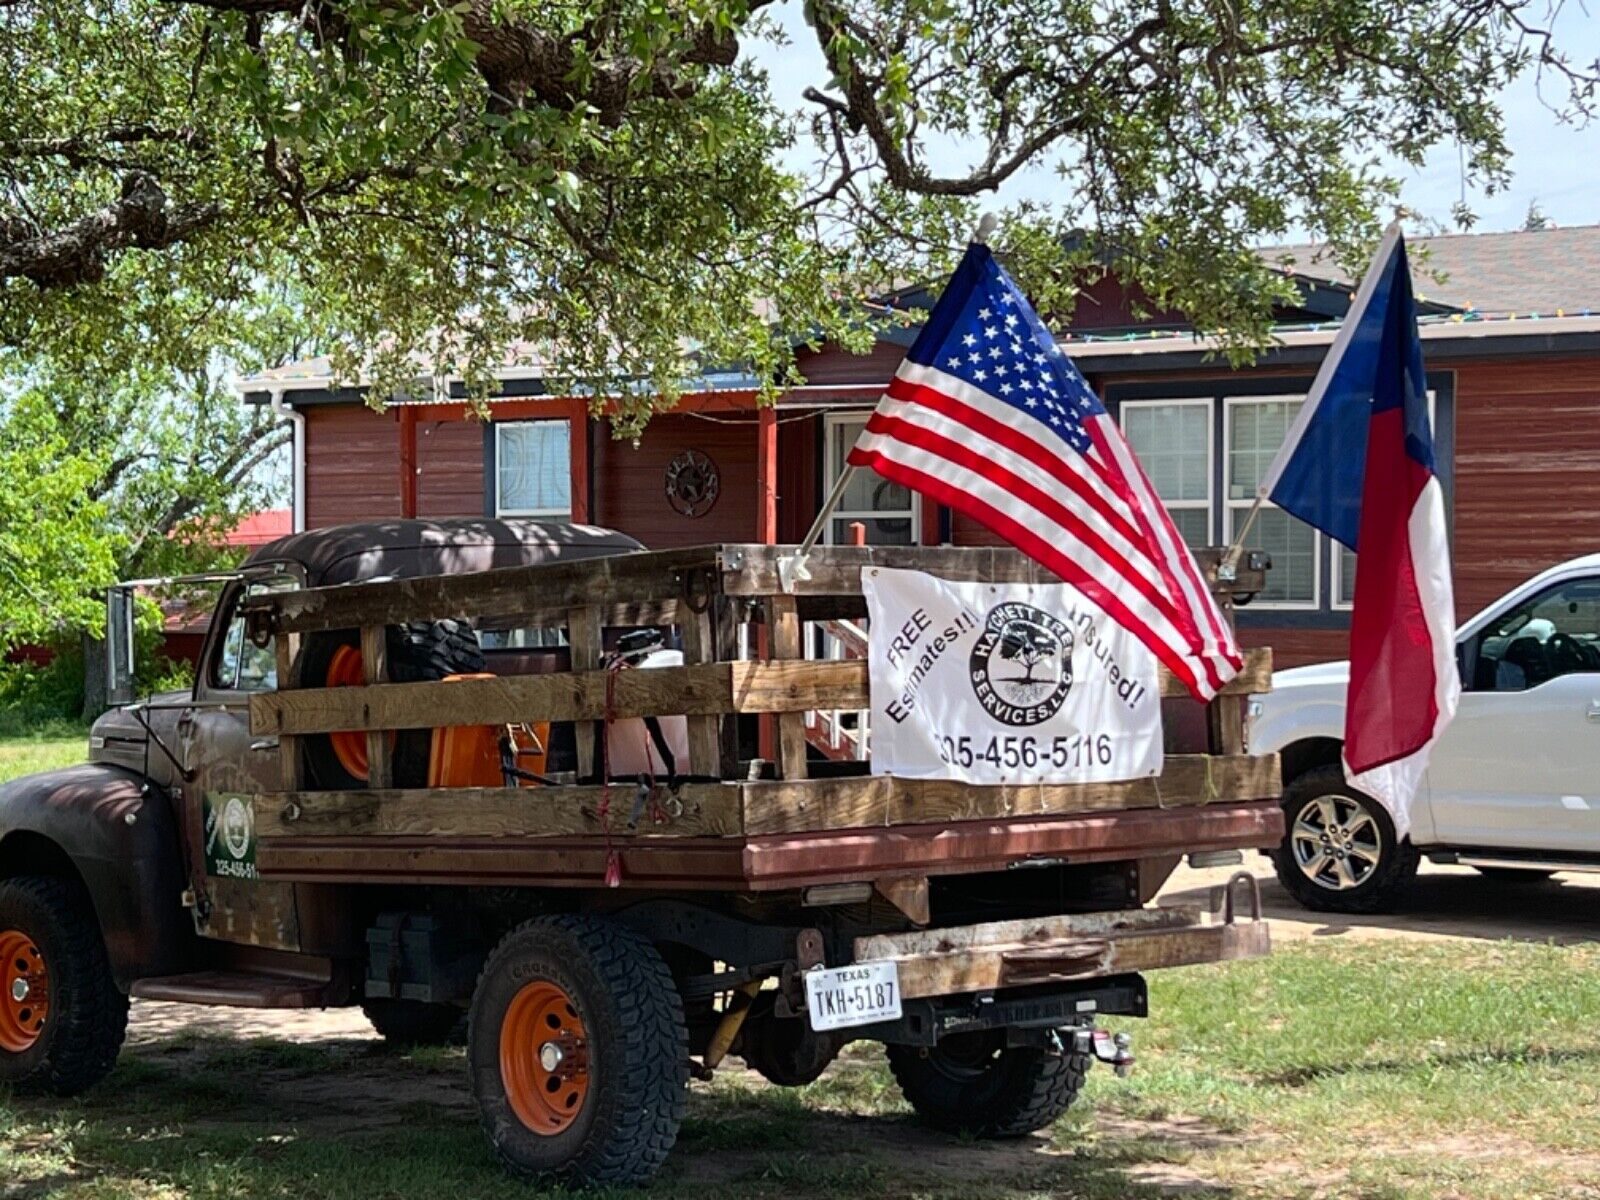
[1594, 711]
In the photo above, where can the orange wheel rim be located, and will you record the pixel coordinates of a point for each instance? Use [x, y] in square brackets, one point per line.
[345, 669]
[544, 1058]
[25, 1000]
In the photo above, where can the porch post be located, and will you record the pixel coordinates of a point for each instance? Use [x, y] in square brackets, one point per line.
[408, 461]
[578, 451]
[766, 533]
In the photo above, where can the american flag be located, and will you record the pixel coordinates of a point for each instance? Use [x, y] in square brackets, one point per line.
[988, 416]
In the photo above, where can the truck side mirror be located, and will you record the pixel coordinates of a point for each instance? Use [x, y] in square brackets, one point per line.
[119, 645]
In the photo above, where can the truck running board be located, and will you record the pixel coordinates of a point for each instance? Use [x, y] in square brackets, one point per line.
[234, 989]
[1506, 862]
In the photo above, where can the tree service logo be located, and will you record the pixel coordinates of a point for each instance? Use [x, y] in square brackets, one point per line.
[1021, 664]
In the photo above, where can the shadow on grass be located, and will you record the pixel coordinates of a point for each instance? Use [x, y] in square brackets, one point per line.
[1306, 1076]
[210, 1118]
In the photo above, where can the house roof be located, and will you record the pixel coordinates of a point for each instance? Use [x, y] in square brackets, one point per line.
[259, 528]
[1526, 271]
[1538, 280]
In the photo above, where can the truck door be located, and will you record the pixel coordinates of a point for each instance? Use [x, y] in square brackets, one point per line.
[1519, 767]
[228, 766]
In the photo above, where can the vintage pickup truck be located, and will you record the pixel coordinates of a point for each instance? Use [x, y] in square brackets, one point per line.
[416, 774]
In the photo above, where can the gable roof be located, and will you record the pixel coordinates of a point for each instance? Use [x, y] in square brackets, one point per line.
[1525, 271]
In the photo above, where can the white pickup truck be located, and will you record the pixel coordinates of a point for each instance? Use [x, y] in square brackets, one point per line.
[1513, 786]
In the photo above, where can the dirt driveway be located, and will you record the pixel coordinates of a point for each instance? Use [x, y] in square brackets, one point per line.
[1442, 903]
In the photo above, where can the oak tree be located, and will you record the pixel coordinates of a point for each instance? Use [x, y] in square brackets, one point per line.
[607, 187]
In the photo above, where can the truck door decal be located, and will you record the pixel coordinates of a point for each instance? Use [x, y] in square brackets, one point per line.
[230, 828]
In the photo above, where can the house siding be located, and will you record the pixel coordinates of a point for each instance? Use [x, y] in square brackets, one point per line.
[450, 462]
[630, 484]
[352, 465]
[1526, 477]
[1527, 490]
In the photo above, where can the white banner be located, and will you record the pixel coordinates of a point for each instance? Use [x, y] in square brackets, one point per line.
[1011, 683]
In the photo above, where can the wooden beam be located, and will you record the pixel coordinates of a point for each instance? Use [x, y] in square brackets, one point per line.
[740, 569]
[1065, 948]
[585, 639]
[621, 579]
[375, 670]
[788, 686]
[783, 620]
[836, 570]
[857, 802]
[700, 650]
[707, 809]
[286, 647]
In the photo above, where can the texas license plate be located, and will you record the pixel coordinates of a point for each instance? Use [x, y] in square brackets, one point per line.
[860, 994]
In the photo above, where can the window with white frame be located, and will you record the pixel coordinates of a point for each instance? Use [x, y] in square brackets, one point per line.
[1172, 439]
[888, 510]
[1254, 428]
[533, 469]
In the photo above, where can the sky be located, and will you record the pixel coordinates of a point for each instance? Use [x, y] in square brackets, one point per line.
[1555, 166]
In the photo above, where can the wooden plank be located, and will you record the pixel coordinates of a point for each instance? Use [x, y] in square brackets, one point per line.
[783, 617]
[578, 696]
[908, 893]
[705, 732]
[708, 809]
[1072, 958]
[585, 639]
[654, 577]
[1188, 780]
[725, 625]
[375, 670]
[1025, 931]
[788, 686]
[287, 648]
[751, 569]
[507, 592]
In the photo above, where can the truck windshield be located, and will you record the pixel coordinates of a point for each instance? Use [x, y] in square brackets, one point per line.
[241, 665]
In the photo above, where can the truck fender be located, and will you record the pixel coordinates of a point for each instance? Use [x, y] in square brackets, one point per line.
[1279, 728]
[118, 835]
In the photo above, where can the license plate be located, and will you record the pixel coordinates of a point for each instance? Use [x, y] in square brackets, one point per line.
[860, 994]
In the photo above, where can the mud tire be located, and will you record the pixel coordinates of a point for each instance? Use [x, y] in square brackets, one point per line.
[88, 1018]
[637, 1043]
[974, 1084]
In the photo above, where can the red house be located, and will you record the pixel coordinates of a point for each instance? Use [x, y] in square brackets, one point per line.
[1511, 332]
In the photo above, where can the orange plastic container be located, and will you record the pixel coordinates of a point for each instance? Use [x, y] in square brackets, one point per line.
[469, 755]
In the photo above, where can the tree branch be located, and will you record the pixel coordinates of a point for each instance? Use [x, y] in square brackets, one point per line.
[140, 217]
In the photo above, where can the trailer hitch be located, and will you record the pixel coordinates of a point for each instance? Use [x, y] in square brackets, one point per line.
[1114, 1049]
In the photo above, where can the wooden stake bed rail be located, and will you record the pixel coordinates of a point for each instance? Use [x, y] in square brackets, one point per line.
[719, 599]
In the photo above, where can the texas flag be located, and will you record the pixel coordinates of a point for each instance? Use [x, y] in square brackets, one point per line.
[1358, 465]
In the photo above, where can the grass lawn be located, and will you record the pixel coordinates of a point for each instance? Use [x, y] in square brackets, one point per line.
[1373, 1070]
[59, 745]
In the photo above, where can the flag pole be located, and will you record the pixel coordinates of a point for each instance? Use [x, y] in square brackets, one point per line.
[792, 567]
[1228, 567]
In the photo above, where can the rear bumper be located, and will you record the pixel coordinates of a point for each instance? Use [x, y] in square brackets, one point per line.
[1069, 949]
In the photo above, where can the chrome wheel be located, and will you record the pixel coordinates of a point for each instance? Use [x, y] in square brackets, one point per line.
[1336, 842]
